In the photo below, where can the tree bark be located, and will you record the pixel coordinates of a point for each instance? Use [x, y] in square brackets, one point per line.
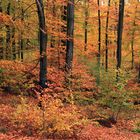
[99, 42]
[0, 5]
[139, 74]
[64, 19]
[1, 38]
[21, 37]
[43, 44]
[119, 36]
[8, 36]
[86, 24]
[70, 35]
[106, 37]
[119, 33]
[132, 39]
[53, 28]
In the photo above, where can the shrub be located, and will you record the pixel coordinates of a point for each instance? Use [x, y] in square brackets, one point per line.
[52, 119]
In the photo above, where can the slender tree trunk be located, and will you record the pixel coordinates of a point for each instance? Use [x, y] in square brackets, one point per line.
[106, 37]
[21, 48]
[119, 36]
[1, 38]
[86, 24]
[115, 30]
[19, 44]
[99, 42]
[139, 74]
[43, 44]
[13, 30]
[0, 5]
[53, 28]
[13, 44]
[132, 39]
[21, 37]
[8, 32]
[70, 35]
[64, 19]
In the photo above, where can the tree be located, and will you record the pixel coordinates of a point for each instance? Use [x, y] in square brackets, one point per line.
[139, 74]
[43, 43]
[133, 37]
[13, 37]
[99, 41]
[70, 35]
[21, 36]
[119, 36]
[119, 33]
[106, 37]
[0, 5]
[64, 19]
[86, 23]
[8, 34]
[1, 38]
[54, 15]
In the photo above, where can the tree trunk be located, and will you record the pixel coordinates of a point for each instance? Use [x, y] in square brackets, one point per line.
[53, 28]
[0, 5]
[21, 37]
[139, 75]
[70, 34]
[106, 37]
[86, 24]
[43, 44]
[8, 33]
[132, 39]
[99, 42]
[1, 38]
[119, 36]
[13, 44]
[13, 30]
[64, 19]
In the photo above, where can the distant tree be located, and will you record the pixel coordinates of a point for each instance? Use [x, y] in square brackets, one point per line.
[0, 5]
[64, 19]
[86, 23]
[21, 36]
[13, 31]
[8, 32]
[106, 36]
[139, 74]
[70, 35]
[54, 15]
[1, 38]
[133, 36]
[99, 42]
[43, 43]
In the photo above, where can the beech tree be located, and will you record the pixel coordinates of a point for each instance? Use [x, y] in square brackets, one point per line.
[43, 43]
[54, 15]
[119, 33]
[1, 38]
[99, 31]
[106, 36]
[64, 19]
[86, 23]
[99, 41]
[70, 35]
[133, 36]
[8, 34]
[119, 36]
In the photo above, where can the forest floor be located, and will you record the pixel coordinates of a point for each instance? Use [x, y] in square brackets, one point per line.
[8, 131]
[21, 117]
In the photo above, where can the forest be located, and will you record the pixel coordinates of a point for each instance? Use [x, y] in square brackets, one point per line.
[69, 69]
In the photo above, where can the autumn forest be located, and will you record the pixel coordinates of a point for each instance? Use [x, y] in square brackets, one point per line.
[69, 69]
